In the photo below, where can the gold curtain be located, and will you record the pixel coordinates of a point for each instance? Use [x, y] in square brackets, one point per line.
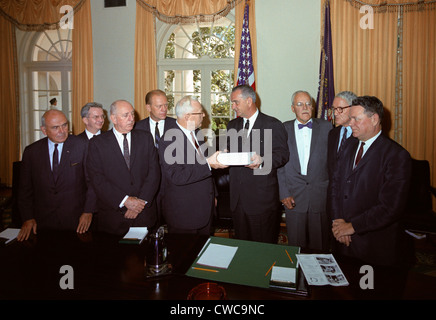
[82, 69]
[35, 15]
[419, 87]
[394, 61]
[9, 124]
[145, 59]
[364, 59]
[183, 11]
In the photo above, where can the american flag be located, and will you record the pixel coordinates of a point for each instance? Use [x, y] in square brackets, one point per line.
[245, 66]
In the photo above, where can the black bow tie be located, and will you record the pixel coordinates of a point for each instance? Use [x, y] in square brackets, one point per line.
[309, 125]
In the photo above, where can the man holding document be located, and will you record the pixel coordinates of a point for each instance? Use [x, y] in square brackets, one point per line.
[254, 192]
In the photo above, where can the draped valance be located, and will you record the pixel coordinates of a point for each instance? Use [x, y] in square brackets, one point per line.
[174, 12]
[395, 5]
[36, 15]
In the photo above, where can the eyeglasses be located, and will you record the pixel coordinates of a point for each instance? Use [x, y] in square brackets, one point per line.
[307, 104]
[197, 113]
[102, 117]
[339, 109]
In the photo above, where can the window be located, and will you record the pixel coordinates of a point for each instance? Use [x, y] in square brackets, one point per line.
[49, 76]
[198, 59]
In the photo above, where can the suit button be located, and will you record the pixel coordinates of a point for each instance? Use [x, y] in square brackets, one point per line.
[348, 181]
[345, 197]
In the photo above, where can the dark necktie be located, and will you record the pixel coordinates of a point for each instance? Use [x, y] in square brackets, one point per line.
[126, 150]
[309, 125]
[246, 127]
[55, 162]
[344, 137]
[156, 135]
[359, 154]
[196, 144]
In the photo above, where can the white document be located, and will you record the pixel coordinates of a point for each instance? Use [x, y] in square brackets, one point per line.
[282, 274]
[321, 269]
[9, 234]
[235, 158]
[217, 255]
[136, 233]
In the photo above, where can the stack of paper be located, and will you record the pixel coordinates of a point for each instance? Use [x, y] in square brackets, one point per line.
[9, 234]
[135, 235]
[218, 256]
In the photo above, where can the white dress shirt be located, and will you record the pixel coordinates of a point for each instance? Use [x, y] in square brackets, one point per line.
[303, 138]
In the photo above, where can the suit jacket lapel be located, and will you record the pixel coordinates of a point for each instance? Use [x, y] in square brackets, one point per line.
[293, 147]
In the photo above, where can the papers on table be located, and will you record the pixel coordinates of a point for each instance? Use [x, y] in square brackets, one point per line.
[321, 269]
[218, 256]
[135, 235]
[235, 158]
[9, 234]
[284, 275]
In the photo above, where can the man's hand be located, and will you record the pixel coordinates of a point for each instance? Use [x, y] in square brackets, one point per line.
[131, 214]
[256, 161]
[84, 222]
[27, 227]
[289, 202]
[342, 231]
[134, 204]
[214, 163]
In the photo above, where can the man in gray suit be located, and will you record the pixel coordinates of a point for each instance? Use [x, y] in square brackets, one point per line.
[303, 181]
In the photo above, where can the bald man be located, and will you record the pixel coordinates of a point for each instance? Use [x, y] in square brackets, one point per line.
[53, 190]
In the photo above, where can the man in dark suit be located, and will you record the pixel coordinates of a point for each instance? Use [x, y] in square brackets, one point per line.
[157, 123]
[125, 173]
[189, 198]
[304, 179]
[254, 191]
[339, 136]
[369, 195]
[93, 117]
[53, 192]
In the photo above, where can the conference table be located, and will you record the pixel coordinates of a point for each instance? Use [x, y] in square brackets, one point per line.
[55, 265]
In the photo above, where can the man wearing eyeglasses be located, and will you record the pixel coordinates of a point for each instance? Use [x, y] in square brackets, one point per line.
[189, 198]
[303, 181]
[93, 117]
[339, 136]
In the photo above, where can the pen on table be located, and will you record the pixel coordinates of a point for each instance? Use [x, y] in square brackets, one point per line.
[289, 256]
[270, 268]
[202, 269]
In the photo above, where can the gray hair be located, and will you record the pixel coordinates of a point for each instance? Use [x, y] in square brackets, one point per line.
[113, 107]
[85, 109]
[246, 92]
[298, 92]
[348, 96]
[184, 105]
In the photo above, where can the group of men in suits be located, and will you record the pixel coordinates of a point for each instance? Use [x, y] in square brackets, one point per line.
[127, 175]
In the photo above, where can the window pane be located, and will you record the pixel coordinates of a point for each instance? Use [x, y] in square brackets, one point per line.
[219, 124]
[179, 83]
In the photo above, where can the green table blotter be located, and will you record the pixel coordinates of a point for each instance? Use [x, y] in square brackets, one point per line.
[250, 263]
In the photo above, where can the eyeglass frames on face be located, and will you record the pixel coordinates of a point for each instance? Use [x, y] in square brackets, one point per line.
[194, 113]
[98, 117]
[339, 109]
